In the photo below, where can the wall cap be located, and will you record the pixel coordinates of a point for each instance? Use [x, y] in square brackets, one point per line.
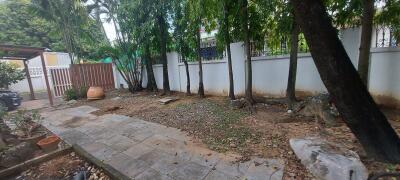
[280, 57]
[385, 49]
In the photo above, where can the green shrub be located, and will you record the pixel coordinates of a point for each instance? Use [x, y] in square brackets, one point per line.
[25, 122]
[9, 74]
[75, 94]
[83, 92]
[70, 94]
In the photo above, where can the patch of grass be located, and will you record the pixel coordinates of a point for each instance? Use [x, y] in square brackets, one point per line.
[228, 131]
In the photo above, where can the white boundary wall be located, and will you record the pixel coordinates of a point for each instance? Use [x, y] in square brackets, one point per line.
[37, 77]
[270, 73]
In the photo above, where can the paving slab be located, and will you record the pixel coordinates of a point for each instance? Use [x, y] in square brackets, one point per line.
[190, 170]
[145, 150]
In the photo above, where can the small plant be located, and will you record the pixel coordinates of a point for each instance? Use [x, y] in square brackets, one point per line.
[70, 94]
[83, 92]
[75, 93]
[26, 122]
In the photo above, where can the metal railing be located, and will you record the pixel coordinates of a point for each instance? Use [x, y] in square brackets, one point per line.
[385, 37]
[280, 48]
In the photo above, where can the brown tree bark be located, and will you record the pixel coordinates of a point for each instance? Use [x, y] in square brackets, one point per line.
[351, 96]
[151, 81]
[291, 86]
[163, 48]
[201, 86]
[228, 52]
[187, 75]
[365, 43]
[249, 71]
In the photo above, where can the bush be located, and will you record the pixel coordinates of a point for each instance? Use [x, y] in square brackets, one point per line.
[75, 94]
[26, 122]
[70, 94]
[9, 74]
[83, 92]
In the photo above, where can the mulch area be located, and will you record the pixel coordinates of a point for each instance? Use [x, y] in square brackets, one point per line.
[214, 122]
[63, 167]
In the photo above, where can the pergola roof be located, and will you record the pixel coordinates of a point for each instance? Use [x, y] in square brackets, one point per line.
[24, 53]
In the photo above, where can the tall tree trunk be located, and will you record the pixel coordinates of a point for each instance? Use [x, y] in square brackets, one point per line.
[228, 52]
[365, 43]
[151, 81]
[249, 71]
[345, 86]
[291, 86]
[201, 86]
[163, 44]
[187, 75]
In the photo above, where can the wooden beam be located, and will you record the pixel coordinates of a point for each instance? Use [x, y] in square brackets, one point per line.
[28, 77]
[46, 78]
[22, 49]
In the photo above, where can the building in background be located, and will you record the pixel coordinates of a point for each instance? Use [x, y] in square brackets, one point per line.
[52, 60]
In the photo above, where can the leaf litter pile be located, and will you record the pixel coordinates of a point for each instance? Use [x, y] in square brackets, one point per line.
[214, 122]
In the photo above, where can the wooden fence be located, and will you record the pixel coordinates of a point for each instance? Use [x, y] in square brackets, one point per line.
[82, 75]
[86, 75]
[61, 80]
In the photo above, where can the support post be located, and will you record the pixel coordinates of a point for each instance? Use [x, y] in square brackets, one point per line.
[46, 78]
[28, 77]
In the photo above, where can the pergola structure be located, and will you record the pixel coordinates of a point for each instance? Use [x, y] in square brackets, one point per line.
[25, 53]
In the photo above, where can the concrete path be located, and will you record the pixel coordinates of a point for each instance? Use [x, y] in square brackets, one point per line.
[145, 150]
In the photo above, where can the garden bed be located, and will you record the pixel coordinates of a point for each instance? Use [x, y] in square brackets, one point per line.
[62, 167]
[30, 151]
[213, 121]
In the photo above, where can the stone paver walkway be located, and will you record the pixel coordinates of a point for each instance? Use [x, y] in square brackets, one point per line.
[145, 150]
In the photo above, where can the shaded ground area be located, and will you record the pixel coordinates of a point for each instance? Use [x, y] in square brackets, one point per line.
[63, 167]
[265, 133]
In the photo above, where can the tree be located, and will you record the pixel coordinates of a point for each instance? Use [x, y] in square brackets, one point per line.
[389, 15]
[161, 10]
[355, 104]
[80, 33]
[224, 12]
[181, 23]
[246, 34]
[196, 15]
[198, 43]
[125, 51]
[18, 26]
[365, 43]
[283, 25]
[9, 74]
[291, 86]
[228, 48]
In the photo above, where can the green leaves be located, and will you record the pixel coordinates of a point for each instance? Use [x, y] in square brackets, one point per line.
[9, 74]
[18, 26]
[81, 34]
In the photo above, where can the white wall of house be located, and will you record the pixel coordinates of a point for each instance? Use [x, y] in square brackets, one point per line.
[35, 69]
[270, 73]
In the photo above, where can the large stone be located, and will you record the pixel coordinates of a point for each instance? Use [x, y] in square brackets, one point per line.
[167, 100]
[327, 161]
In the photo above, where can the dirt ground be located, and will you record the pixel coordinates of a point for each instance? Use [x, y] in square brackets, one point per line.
[213, 121]
[63, 167]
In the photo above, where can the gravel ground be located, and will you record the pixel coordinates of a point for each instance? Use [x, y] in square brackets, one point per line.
[265, 133]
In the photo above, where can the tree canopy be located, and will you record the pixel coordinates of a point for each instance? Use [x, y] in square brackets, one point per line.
[18, 26]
